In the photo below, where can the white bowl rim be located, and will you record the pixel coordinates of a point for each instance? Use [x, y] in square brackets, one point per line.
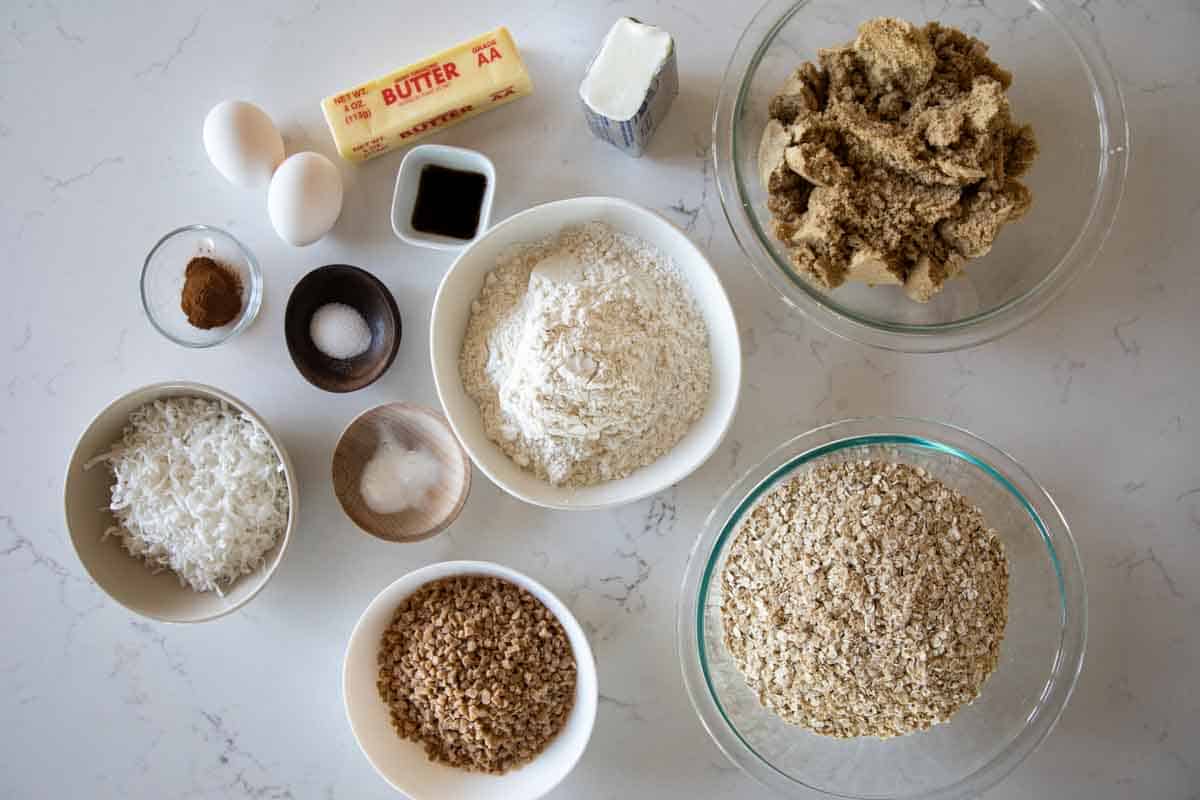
[289, 474]
[651, 489]
[585, 661]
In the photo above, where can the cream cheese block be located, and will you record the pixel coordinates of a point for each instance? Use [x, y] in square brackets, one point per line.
[630, 84]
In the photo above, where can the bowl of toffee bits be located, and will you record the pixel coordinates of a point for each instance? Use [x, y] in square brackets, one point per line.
[467, 679]
[200, 286]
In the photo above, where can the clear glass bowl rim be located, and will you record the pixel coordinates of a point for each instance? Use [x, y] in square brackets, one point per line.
[942, 437]
[253, 301]
[984, 326]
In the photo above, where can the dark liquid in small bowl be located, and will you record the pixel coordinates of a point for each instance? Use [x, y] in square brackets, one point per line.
[449, 202]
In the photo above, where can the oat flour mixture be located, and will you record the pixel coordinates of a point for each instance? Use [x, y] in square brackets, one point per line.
[586, 355]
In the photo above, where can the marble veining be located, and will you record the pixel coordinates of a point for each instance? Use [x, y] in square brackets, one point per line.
[100, 116]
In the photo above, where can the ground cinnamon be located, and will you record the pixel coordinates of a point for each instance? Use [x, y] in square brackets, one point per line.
[212, 294]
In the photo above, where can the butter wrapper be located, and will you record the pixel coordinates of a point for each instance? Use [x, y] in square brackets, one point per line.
[413, 102]
[632, 135]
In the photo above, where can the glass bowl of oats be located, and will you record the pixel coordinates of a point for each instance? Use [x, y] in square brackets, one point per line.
[911, 212]
[882, 608]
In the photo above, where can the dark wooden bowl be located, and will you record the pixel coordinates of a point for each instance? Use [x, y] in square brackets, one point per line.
[359, 289]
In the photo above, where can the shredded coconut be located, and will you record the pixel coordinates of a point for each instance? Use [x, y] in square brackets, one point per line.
[586, 355]
[199, 489]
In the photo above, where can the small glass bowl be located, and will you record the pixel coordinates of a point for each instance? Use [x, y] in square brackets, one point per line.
[163, 276]
[1040, 657]
[1062, 84]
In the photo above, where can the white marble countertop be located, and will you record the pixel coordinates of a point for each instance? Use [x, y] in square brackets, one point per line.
[100, 113]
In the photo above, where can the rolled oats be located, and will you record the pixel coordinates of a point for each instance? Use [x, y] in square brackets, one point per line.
[865, 599]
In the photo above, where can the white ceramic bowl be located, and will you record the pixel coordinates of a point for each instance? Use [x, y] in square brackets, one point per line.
[403, 763]
[452, 308]
[127, 580]
[408, 180]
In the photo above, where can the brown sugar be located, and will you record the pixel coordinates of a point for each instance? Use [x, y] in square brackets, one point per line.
[894, 159]
[212, 294]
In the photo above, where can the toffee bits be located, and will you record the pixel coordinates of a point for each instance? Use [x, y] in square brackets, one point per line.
[478, 671]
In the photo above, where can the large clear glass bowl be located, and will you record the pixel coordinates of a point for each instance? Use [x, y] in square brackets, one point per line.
[1040, 657]
[1063, 85]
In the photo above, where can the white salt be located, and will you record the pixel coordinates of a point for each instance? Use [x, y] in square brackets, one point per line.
[339, 331]
[396, 478]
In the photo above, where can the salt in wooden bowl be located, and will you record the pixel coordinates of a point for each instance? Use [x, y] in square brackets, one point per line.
[413, 427]
[366, 294]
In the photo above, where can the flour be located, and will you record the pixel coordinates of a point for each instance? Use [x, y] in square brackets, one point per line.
[586, 355]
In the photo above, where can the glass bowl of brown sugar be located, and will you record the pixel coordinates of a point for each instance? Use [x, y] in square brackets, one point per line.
[875, 262]
[200, 286]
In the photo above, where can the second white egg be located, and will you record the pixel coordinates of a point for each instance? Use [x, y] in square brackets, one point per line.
[305, 198]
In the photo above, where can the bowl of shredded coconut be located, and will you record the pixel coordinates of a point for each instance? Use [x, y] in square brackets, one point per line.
[180, 502]
[585, 354]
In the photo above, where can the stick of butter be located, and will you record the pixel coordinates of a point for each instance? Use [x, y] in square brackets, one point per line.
[422, 98]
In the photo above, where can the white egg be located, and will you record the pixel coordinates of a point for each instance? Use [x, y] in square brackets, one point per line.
[305, 198]
[242, 143]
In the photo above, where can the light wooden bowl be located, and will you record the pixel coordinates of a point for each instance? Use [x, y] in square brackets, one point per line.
[414, 427]
[128, 580]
